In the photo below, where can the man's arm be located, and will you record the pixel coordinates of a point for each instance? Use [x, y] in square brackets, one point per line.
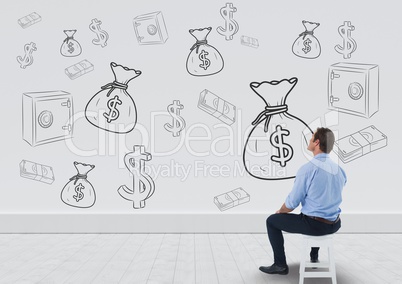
[284, 209]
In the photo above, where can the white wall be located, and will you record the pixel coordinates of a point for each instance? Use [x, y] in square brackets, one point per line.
[373, 180]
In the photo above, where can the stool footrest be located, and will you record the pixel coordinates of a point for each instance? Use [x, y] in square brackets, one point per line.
[324, 264]
[318, 274]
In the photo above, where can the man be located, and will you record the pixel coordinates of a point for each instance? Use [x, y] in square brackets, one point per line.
[318, 187]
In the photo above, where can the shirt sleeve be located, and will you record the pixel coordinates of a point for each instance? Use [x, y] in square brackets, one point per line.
[299, 190]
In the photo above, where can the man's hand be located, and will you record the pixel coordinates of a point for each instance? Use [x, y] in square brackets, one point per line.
[284, 209]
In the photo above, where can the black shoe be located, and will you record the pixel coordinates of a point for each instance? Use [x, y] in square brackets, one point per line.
[314, 259]
[275, 269]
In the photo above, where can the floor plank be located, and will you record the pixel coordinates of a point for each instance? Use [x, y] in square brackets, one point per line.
[187, 258]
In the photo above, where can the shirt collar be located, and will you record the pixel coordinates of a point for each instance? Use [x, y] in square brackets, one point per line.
[321, 155]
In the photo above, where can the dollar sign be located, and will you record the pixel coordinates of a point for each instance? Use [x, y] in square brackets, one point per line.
[102, 35]
[113, 111]
[349, 44]
[178, 123]
[70, 47]
[205, 61]
[231, 26]
[28, 59]
[78, 190]
[307, 46]
[285, 151]
[143, 184]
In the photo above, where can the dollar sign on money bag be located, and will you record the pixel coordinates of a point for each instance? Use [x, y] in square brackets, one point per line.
[102, 36]
[203, 59]
[178, 123]
[143, 184]
[112, 108]
[70, 47]
[28, 59]
[274, 147]
[231, 26]
[79, 192]
[349, 44]
[307, 45]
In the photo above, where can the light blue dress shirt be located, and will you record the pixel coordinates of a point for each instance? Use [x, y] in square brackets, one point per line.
[318, 187]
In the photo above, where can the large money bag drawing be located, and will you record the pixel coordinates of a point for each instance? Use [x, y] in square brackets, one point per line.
[112, 108]
[272, 150]
[79, 192]
[70, 47]
[307, 45]
[204, 59]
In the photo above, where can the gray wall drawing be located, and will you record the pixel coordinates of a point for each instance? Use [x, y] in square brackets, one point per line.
[349, 45]
[150, 29]
[29, 20]
[143, 184]
[112, 108]
[218, 107]
[231, 26]
[360, 143]
[231, 199]
[27, 60]
[203, 59]
[249, 41]
[46, 117]
[269, 151]
[354, 88]
[101, 36]
[70, 47]
[35, 171]
[307, 45]
[79, 69]
[79, 192]
[178, 123]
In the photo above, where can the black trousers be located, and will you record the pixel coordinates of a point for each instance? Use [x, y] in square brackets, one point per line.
[294, 223]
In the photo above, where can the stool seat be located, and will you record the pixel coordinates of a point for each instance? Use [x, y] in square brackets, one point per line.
[321, 269]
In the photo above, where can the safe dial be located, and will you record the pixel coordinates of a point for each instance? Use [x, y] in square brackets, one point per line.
[355, 91]
[45, 119]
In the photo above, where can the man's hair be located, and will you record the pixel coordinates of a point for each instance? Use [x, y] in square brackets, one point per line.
[326, 137]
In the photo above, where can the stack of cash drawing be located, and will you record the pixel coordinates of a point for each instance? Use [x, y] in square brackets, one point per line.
[359, 144]
[36, 171]
[214, 105]
[231, 199]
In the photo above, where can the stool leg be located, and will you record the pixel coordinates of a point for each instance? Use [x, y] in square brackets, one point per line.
[331, 259]
[302, 270]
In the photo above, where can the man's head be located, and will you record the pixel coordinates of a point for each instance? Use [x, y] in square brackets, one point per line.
[322, 141]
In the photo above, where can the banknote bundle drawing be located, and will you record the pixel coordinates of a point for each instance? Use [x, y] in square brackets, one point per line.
[35, 171]
[29, 20]
[79, 69]
[360, 143]
[249, 41]
[231, 199]
[218, 107]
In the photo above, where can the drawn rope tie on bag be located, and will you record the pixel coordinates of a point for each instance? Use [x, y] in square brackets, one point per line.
[305, 33]
[114, 85]
[77, 177]
[268, 113]
[197, 44]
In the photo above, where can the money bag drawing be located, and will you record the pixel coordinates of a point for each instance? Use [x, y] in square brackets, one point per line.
[70, 47]
[307, 45]
[79, 192]
[204, 59]
[112, 108]
[270, 151]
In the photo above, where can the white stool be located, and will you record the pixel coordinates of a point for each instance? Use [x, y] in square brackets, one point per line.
[328, 266]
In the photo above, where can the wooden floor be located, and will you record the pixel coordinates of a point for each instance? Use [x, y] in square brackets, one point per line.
[186, 258]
